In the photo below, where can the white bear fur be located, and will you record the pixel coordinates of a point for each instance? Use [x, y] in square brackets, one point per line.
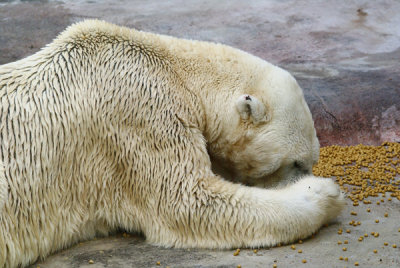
[109, 128]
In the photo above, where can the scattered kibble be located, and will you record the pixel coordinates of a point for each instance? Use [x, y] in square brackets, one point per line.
[158, 263]
[293, 247]
[386, 243]
[346, 259]
[300, 251]
[346, 241]
[91, 261]
[255, 251]
[362, 171]
[339, 242]
[344, 249]
[275, 265]
[239, 266]
[304, 261]
[300, 241]
[341, 258]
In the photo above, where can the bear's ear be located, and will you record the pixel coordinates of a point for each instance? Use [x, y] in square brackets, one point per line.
[249, 107]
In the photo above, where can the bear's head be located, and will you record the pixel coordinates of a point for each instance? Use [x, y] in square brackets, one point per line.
[268, 135]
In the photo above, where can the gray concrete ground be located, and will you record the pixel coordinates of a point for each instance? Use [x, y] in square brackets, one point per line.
[345, 55]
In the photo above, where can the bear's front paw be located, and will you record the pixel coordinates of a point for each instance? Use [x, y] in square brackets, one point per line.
[323, 196]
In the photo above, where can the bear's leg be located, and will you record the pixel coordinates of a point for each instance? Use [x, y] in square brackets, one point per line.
[220, 214]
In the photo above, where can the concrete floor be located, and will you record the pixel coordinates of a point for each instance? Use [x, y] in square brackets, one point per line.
[345, 55]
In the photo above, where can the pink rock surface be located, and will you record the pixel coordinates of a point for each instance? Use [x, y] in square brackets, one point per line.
[345, 54]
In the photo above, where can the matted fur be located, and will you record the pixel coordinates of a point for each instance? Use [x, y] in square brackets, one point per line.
[109, 128]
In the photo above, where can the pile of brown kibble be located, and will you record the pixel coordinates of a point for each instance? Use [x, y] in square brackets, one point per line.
[362, 170]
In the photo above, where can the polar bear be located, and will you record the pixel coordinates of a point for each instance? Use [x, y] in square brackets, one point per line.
[109, 127]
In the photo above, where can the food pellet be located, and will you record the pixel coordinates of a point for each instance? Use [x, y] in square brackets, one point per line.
[394, 246]
[368, 210]
[275, 265]
[239, 266]
[344, 249]
[300, 241]
[346, 259]
[375, 251]
[365, 235]
[293, 247]
[360, 238]
[346, 241]
[300, 251]
[91, 261]
[348, 231]
[255, 251]
[304, 261]
[341, 258]
[353, 213]
[236, 253]
[356, 263]
[158, 263]
[376, 234]
[386, 243]
[339, 242]
[377, 221]
[386, 215]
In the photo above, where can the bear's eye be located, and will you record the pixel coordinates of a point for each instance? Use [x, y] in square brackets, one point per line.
[301, 167]
[297, 165]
